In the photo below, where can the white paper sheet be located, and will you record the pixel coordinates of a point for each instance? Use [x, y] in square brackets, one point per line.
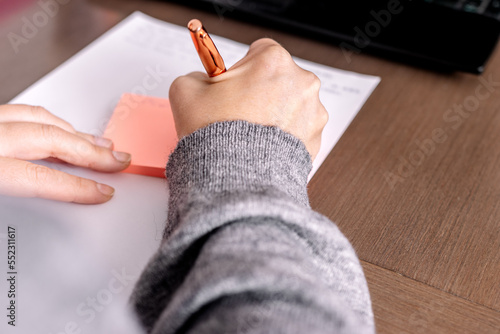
[140, 55]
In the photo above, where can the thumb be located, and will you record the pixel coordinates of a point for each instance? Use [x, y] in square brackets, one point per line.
[25, 179]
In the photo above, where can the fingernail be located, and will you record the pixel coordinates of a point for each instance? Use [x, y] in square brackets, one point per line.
[103, 142]
[122, 156]
[105, 189]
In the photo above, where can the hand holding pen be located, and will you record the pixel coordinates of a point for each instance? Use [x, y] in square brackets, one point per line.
[265, 87]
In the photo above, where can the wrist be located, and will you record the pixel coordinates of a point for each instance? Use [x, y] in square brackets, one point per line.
[239, 156]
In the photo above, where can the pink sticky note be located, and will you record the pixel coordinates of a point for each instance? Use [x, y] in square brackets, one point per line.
[144, 127]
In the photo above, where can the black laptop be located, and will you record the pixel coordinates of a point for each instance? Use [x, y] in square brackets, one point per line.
[444, 35]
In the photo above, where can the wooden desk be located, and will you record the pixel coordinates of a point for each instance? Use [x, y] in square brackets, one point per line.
[413, 183]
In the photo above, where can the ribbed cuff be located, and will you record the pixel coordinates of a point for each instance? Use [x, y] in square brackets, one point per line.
[238, 156]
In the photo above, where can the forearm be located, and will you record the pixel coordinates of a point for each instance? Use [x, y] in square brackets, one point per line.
[243, 251]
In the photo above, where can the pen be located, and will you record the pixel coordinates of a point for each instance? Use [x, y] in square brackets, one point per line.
[209, 55]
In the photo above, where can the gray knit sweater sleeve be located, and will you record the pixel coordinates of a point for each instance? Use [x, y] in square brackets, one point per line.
[242, 250]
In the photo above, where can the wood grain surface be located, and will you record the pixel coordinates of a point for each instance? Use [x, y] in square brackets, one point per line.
[414, 183]
[404, 306]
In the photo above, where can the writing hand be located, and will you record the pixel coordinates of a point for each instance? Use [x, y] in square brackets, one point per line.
[265, 87]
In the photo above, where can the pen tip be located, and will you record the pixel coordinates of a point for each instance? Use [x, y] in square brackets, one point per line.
[194, 25]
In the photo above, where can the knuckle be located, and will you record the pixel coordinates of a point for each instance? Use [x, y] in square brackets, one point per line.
[274, 57]
[78, 185]
[81, 190]
[312, 81]
[179, 85]
[49, 131]
[85, 149]
[174, 87]
[277, 54]
[324, 116]
[263, 42]
[37, 174]
[38, 112]
[315, 81]
[179, 81]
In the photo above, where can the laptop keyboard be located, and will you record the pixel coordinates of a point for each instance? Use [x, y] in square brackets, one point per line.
[489, 8]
